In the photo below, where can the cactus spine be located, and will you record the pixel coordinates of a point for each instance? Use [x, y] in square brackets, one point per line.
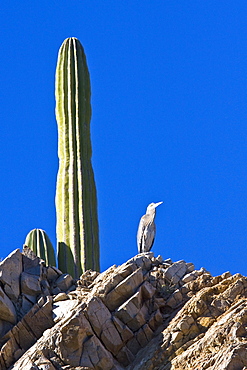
[38, 241]
[76, 201]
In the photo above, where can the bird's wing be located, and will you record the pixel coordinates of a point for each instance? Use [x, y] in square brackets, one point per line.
[145, 234]
[149, 237]
[140, 234]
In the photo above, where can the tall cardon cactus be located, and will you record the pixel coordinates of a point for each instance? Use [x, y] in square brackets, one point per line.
[38, 241]
[76, 200]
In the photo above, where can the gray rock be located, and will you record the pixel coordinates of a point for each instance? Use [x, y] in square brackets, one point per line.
[131, 315]
[189, 277]
[45, 287]
[175, 299]
[71, 289]
[190, 267]
[10, 292]
[7, 309]
[44, 364]
[142, 260]
[168, 261]
[35, 270]
[64, 282]
[10, 270]
[30, 284]
[202, 271]
[52, 273]
[147, 290]
[5, 326]
[61, 297]
[124, 290]
[176, 271]
[155, 320]
[55, 291]
[125, 333]
[125, 356]
[26, 305]
[25, 333]
[98, 313]
[30, 298]
[133, 345]
[29, 263]
[81, 332]
[61, 308]
[144, 335]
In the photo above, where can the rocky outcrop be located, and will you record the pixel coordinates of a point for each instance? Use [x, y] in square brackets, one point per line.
[209, 332]
[148, 313]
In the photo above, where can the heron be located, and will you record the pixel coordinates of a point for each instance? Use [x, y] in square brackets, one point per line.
[147, 228]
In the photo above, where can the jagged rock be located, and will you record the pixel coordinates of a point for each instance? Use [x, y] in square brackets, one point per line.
[55, 291]
[202, 336]
[144, 335]
[64, 282]
[176, 271]
[5, 326]
[156, 320]
[143, 260]
[26, 332]
[52, 273]
[35, 270]
[97, 313]
[175, 299]
[26, 251]
[7, 309]
[148, 313]
[30, 284]
[124, 289]
[71, 342]
[111, 278]
[133, 345]
[87, 278]
[61, 297]
[45, 287]
[27, 303]
[125, 333]
[190, 267]
[190, 276]
[130, 314]
[44, 364]
[61, 308]
[30, 262]
[10, 270]
[125, 356]
[147, 290]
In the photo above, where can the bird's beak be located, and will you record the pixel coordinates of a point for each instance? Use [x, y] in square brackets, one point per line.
[157, 204]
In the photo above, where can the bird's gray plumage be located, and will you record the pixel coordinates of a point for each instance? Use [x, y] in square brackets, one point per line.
[146, 230]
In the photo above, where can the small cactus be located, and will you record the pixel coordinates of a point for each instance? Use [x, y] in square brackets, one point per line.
[38, 241]
[76, 200]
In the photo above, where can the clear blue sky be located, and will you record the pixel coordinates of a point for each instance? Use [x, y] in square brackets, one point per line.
[169, 100]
